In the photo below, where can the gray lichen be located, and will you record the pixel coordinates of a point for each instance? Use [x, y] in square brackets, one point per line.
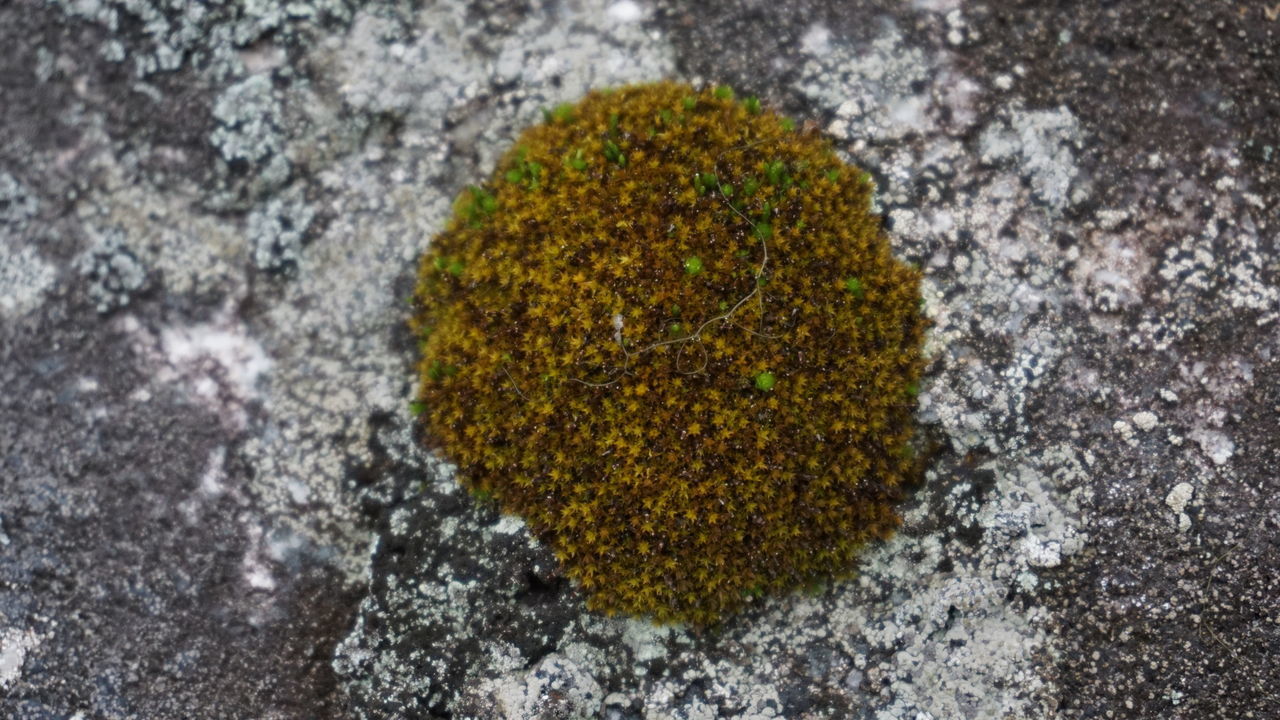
[111, 271]
[17, 205]
[249, 137]
[1042, 143]
[277, 232]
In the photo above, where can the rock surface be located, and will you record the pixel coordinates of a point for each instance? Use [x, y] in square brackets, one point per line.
[210, 503]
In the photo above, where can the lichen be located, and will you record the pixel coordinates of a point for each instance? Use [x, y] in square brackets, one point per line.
[111, 270]
[17, 205]
[670, 334]
[277, 232]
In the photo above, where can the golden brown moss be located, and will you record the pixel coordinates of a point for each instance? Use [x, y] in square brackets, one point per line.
[669, 334]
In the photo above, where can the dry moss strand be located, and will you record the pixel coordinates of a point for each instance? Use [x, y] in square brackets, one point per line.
[669, 333]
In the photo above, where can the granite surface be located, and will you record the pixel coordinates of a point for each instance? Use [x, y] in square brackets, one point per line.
[211, 504]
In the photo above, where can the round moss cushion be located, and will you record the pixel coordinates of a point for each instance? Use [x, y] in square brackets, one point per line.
[670, 334]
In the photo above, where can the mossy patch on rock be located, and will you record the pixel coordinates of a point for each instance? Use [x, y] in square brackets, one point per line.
[669, 334]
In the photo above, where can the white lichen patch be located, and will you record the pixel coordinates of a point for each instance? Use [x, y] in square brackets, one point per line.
[625, 11]
[555, 687]
[164, 36]
[1177, 500]
[276, 231]
[17, 205]
[24, 278]
[509, 525]
[111, 270]
[1124, 430]
[1215, 443]
[869, 88]
[14, 646]
[1028, 523]
[249, 133]
[132, 229]
[1146, 421]
[645, 640]
[1043, 143]
[450, 63]
[1179, 496]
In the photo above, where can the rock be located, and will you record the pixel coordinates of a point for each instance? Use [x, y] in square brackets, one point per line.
[210, 502]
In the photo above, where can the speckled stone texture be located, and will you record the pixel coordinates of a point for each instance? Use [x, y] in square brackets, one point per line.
[211, 504]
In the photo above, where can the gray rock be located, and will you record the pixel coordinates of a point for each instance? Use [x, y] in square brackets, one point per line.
[211, 502]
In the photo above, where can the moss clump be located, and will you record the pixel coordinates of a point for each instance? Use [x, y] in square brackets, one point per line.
[669, 333]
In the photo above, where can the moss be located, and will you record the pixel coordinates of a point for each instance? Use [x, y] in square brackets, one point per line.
[600, 329]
